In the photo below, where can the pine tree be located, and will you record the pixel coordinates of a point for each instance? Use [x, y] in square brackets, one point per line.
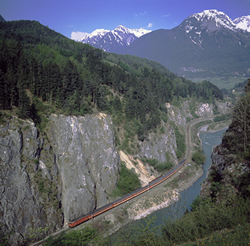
[4, 94]
[24, 104]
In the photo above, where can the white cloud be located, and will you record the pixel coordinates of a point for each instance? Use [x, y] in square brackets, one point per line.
[165, 16]
[150, 25]
[140, 14]
[78, 35]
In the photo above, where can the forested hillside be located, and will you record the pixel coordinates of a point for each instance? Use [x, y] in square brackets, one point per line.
[40, 65]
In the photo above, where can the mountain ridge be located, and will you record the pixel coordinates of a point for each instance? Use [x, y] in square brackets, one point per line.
[97, 37]
[110, 41]
[208, 45]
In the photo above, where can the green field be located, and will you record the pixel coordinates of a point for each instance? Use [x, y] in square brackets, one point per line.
[222, 82]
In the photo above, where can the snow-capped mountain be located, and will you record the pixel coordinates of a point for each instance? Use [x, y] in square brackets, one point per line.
[206, 44]
[198, 25]
[243, 23]
[111, 41]
[94, 37]
[212, 20]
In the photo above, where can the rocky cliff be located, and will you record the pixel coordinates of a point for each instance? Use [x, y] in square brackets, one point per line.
[28, 197]
[48, 180]
[228, 175]
[85, 152]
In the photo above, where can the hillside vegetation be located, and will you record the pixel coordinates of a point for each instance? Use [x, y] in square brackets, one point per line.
[39, 65]
[220, 216]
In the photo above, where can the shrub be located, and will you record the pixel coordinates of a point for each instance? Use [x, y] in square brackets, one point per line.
[158, 166]
[128, 182]
[180, 142]
[73, 238]
[206, 219]
[199, 157]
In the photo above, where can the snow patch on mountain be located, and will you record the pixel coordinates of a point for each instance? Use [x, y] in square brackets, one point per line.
[107, 40]
[218, 18]
[95, 35]
[243, 23]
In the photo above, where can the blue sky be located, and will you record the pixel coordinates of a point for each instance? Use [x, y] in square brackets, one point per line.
[67, 16]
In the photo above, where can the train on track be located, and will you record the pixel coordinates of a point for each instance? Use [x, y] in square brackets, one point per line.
[126, 198]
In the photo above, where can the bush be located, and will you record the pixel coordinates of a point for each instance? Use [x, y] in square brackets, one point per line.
[73, 238]
[199, 157]
[207, 218]
[128, 182]
[222, 117]
[158, 166]
[180, 142]
[41, 186]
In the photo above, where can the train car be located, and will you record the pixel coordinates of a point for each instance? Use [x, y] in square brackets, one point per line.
[128, 197]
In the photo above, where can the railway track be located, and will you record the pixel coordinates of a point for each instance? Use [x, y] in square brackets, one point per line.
[126, 198]
[136, 193]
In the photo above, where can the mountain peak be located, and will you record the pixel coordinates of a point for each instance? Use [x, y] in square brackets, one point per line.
[2, 19]
[243, 23]
[119, 37]
[95, 35]
[137, 32]
[121, 27]
[214, 19]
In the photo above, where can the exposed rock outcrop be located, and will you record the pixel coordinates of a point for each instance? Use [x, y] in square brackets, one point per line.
[87, 160]
[48, 180]
[143, 172]
[158, 146]
[22, 204]
[226, 177]
[204, 110]
[179, 114]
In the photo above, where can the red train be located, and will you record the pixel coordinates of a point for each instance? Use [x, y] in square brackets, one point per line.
[109, 206]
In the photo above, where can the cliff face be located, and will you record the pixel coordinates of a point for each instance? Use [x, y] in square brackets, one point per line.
[46, 181]
[23, 204]
[157, 146]
[87, 159]
[227, 176]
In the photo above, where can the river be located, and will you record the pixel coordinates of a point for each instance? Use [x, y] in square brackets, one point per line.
[187, 196]
[158, 218]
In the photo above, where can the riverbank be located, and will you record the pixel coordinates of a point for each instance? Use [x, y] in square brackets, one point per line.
[215, 127]
[184, 180]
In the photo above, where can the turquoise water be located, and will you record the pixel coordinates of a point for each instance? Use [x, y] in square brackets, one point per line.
[186, 198]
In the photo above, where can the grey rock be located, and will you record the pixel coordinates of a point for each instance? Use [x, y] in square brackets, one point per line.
[87, 160]
[157, 146]
[20, 208]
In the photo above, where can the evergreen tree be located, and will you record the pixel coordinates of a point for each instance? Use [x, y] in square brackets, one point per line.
[24, 104]
[4, 93]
